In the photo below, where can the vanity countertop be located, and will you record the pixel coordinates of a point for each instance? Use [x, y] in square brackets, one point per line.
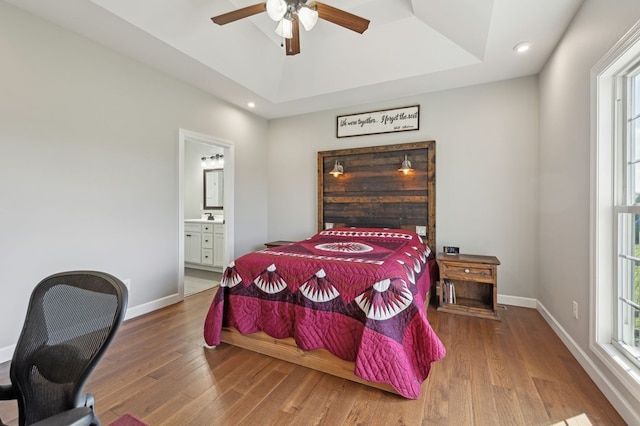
[204, 221]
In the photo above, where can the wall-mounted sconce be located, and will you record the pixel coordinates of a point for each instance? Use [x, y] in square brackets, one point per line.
[337, 169]
[406, 166]
[215, 161]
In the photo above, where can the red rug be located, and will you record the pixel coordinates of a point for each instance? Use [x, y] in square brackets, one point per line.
[128, 420]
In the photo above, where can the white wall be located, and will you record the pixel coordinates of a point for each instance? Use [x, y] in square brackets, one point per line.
[564, 169]
[89, 165]
[486, 173]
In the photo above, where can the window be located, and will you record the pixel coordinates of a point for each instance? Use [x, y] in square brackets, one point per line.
[614, 328]
[626, 333]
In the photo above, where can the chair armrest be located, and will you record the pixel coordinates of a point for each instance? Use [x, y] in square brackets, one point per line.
[81, 416]
[7, 392]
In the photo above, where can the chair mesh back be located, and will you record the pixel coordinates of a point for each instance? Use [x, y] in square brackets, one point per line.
[71, 319]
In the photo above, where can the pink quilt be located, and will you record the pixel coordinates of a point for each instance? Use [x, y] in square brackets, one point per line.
[356, 292]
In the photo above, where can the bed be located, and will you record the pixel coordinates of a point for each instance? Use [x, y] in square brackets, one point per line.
[358, 289]
[358, 293]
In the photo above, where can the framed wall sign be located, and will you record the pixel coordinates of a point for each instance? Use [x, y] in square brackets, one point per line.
[376, 122]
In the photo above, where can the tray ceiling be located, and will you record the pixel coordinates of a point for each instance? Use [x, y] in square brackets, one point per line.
[411, 46]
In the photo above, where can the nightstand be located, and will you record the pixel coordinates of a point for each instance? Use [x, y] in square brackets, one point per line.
[468, 285]
[277, 243]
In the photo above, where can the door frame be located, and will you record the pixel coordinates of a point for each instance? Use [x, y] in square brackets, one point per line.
[229, 159]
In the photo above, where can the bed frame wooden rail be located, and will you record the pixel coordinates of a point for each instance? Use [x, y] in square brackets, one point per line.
[286, 350]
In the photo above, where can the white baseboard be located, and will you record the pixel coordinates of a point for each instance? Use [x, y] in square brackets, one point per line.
[154, 305]
[6, 353]
[621, 404]
[524, 302]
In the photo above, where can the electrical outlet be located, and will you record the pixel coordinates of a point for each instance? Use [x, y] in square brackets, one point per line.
[421, 230]
[127, 284]
[575, 309]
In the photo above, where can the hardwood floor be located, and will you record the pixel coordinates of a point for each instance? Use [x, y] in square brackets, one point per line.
[513, 372]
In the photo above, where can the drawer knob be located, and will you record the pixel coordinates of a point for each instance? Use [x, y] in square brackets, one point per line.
[466, 270]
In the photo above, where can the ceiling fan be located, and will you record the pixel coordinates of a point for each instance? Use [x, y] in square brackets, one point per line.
[290, 13]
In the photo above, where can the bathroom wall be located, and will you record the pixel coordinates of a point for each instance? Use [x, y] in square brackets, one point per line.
[193, 177]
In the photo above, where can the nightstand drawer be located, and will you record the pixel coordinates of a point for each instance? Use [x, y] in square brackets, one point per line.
[467, 272]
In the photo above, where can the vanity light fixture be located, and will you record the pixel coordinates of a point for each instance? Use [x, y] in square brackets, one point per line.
[406, 166]
[218, 158]
[337, 169]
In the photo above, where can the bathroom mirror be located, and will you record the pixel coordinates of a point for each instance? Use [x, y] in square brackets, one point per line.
[213, 189]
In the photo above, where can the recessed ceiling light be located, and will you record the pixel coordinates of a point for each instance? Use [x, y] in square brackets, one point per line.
[251, 104]
[522, 47]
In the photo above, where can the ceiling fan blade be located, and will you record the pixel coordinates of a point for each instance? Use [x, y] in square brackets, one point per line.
[245, 12]
[342, 18]
[293, 44]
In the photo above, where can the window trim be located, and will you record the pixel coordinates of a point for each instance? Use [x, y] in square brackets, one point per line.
[603, 257]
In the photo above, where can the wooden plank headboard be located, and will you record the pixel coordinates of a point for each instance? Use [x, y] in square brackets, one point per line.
[373, 193]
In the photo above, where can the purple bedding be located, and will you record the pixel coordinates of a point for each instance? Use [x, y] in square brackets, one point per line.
[358, 293]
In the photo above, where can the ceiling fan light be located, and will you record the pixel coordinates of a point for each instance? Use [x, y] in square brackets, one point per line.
[285, 28]
[308, 17]
[276, 9]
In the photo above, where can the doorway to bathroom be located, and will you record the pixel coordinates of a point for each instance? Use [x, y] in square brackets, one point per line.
[206, 222]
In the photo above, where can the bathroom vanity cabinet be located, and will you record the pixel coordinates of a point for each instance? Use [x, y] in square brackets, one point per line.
[204, 245]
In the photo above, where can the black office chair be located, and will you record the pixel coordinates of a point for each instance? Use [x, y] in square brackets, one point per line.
[71, 320]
